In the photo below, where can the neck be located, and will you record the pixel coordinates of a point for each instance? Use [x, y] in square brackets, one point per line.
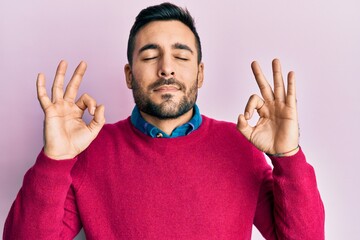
[168, 125]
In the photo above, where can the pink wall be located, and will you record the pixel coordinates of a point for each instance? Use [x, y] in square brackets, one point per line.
[318, 39]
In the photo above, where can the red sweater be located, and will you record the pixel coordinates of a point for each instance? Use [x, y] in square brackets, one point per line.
[211, 184]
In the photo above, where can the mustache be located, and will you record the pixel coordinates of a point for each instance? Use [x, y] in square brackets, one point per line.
[163, 81]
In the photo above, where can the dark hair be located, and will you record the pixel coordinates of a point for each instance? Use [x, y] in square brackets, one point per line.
[162, 12]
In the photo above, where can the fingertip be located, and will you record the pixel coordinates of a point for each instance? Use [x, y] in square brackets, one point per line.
[242, 122]
[276, 60]
[40, 75]
[63, 62]
[291, 81]
[244, 127]
[83, 64]
[40, 80]
[238, 125]
[81, 68]
[291, 75]
[247, 115]
[99, 114]
[62, 67]
[100, 108]
[254, 63]
[255, 67]
[276, 64]
[92, 110]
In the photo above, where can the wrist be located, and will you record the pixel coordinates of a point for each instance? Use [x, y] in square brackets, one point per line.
[58, 157]
[285, 154]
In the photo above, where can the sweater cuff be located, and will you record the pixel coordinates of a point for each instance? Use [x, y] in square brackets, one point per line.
[56, 166]
[48, 181]
[290, 165]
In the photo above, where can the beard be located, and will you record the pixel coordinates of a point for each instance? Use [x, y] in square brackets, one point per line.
[169, 108]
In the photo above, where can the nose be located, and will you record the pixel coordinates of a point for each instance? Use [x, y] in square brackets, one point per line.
[166, 68]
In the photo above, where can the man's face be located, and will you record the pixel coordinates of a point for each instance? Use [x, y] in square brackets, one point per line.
[165, 75]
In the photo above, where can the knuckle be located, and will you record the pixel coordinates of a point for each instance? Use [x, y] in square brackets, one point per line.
[87, 98]
[253, 97]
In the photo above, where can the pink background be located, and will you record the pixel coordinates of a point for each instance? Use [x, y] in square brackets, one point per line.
[319, 40]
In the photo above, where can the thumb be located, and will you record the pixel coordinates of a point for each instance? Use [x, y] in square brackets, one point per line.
[98, 120]
[244, 126]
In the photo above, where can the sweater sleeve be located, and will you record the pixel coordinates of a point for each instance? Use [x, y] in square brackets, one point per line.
[44, 207]
[289, 205]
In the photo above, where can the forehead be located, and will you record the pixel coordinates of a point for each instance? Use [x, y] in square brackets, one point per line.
[165, 33]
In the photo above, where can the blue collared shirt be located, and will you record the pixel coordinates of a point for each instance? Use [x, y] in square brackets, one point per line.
[139, 122]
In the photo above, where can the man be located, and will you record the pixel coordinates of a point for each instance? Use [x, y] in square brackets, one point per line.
[167, 172]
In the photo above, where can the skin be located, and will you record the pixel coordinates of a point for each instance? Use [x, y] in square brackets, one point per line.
[277, 130]
[66, 134]
[165, 49]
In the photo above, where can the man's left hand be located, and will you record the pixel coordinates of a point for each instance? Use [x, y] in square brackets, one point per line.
[277, 130]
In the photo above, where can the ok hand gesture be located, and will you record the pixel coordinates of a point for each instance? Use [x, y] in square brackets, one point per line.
[65, 133]
[276, 131]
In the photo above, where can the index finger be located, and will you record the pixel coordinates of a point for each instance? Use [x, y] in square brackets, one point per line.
[74, 84]
[263, 84]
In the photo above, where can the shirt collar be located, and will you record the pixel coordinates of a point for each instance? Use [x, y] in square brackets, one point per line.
[139, 122]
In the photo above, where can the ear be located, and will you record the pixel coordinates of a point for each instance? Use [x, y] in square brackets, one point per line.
[200, 75]
[128, 75]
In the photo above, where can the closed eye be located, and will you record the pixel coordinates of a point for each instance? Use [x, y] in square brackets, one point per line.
[149, 58]
[182, 58]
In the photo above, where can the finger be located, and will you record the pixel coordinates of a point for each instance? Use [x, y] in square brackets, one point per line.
[291, 90]
[74, 84]
[255, 102]
[58, 85]
[86, 101]
[98, 121]
[44, 100]
[279, 88]
[264, 86]
[244, 126]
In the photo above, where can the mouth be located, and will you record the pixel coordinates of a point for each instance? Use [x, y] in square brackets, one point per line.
[167, 88]
[164, 86]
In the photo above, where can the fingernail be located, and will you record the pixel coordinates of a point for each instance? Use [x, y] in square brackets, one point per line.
[247, 115]
[92, 110]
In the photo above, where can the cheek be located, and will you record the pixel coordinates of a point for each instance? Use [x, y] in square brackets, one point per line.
[142, 77]
[190, 78]
[148, 68]
[140, 68]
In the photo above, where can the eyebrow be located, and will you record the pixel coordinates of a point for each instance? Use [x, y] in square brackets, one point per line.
[182, 46]
[174, 46]
[149, 46]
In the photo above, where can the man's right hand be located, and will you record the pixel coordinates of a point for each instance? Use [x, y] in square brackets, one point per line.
[65, 133]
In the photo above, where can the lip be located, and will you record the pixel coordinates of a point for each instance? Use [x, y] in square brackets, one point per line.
[167, 88]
